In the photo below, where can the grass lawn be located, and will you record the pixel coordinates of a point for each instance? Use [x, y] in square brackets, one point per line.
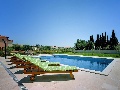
[95, 54]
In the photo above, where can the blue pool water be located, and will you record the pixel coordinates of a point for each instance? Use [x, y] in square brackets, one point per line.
[97, 64]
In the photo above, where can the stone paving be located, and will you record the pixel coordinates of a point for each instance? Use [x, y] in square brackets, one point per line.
[6, 81]
[83, 80]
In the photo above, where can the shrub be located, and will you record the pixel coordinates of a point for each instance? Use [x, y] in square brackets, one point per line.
[47, 52]
[2, 53]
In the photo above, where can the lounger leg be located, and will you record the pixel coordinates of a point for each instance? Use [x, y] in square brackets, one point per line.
[16, 65]
[25, 69]
[71, 75]
[32, 78]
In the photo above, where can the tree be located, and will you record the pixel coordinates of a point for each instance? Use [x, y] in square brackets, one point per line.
[108, 42]
[118, 48]
[9, 49]
[103, 41]
[16, 47]
[37, 45]
[97, 42]
[80, 44]
[113, 41]
[26, 47]
[91, 39]
[47, 47]
[90, 45]
[77, 45]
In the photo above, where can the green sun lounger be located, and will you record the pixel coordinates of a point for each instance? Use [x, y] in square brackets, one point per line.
[39, 67]
[33, 60]
[42, 68]
[22, 61]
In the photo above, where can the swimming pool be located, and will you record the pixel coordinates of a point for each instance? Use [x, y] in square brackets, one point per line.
[97, 64]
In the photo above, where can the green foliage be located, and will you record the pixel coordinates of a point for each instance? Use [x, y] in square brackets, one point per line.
[113, 41]
[97, 42]
[101, 43]
[107, 47]
[80, 45]
[96, 54]
[2, 54]
[46, 52]
[26, 47]
[49, 50]
[117, 48]
[36, 52]
[90, 45]
[8, 50]
[16, 47]
[37, 45]
[45, 47]
[91, 39]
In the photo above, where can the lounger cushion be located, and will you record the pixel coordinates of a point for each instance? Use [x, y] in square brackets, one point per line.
[60, 68]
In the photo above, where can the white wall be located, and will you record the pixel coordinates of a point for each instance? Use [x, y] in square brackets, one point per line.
[10, 43]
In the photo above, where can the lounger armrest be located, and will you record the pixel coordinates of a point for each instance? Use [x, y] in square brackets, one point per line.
[43, 60]
[53, 64]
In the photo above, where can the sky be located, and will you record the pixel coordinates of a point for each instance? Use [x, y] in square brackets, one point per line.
[58, 22]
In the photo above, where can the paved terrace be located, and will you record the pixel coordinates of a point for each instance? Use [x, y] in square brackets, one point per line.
[83, 80]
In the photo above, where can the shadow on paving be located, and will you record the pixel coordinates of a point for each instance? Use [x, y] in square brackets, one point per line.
[19, 72]
[12, 67]
[8, 61]
[10, 64]
[47, 78]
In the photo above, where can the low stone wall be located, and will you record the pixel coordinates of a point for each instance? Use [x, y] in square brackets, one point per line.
[99, 51]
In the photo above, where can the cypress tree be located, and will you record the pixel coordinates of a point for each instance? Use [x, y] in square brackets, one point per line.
[104, 41]
[91, 38]
[107, 40]
[100, 41]
[113, 41]
[107, 43]
[97, 42]
[105, 36]
[77, 45]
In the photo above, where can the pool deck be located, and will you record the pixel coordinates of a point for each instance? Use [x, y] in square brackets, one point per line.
[83, 80]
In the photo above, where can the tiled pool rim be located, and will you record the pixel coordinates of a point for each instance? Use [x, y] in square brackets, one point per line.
[105, 72]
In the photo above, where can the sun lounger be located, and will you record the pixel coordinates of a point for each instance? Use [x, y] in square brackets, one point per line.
[42, 68]
[14, 58]
[22, 61]
[38, 60]
[36, 67]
